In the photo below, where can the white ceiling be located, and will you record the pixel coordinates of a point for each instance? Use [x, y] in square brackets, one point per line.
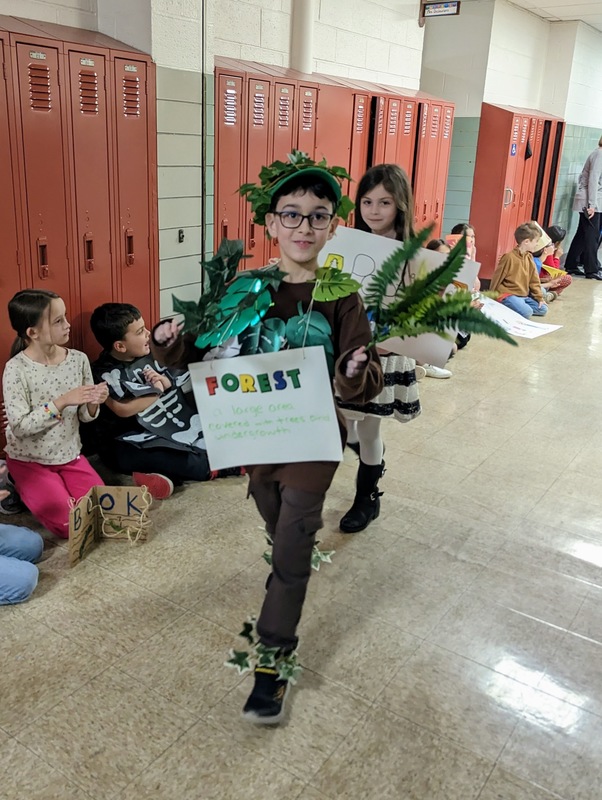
[588, 11]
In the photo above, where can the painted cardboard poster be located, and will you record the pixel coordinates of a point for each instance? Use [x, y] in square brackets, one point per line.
[107, 512]
[360, 254]
[271, 408]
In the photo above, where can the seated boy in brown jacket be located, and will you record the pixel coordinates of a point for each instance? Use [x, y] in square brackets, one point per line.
[516, 278]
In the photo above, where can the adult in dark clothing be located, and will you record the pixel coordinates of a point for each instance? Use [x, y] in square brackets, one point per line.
[588, 202]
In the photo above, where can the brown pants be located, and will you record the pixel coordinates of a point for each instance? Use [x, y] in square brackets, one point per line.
[292, 518]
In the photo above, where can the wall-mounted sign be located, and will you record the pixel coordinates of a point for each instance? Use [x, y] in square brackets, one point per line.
[441, 9]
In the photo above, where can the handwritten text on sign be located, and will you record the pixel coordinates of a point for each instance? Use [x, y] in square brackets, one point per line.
[273, 408]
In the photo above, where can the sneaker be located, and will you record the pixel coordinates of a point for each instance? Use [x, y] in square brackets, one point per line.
[265, 704]
[11, 504]
[420, 372]
[437, 372]
[159, 487]
[229, 472]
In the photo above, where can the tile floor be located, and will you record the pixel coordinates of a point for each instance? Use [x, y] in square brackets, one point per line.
[452, 652]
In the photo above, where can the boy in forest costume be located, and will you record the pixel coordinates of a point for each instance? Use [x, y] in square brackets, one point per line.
[297, 201]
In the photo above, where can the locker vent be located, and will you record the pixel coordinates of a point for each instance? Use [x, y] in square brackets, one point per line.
[284, 111]
[381, 116]
[360, 117]
[447, 123]
[308, 114]
[39, 87]
[393, 119]
[407, 121]
[259, 109]
[230, 107]
[131, 97]
[88, 92]
[435, 121]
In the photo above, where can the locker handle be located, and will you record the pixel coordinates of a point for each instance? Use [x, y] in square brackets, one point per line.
[43, 268]
[224, 229]
[424, 212]
[251, 234]
[506, 190]
[129, 247]
[89, 252]
[436, 209]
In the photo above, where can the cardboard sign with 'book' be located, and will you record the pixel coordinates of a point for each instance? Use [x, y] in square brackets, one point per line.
[107, 512]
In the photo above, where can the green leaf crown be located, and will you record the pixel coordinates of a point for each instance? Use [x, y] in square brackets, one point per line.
[259, 195]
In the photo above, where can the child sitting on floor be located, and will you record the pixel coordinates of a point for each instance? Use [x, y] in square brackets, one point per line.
[138, 432]
[549, 279]
[48, 391]
[516, 278]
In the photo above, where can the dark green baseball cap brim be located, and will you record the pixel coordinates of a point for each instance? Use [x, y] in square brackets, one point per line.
[314, 172]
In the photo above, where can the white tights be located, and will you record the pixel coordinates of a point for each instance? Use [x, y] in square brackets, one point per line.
[367, 432]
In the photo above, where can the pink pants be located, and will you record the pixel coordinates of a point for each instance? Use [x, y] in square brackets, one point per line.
[46, 489]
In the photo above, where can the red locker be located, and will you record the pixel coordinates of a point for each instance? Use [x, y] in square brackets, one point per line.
[91, 164]
[284, 120]
[229, 128]
[258, 153]
[44, 169]
[508, 187]
[335, 124]
[82, 141]
[12, 278]
[443, 156]
[406, 137]
[360, 137]
[425, 168]
[307, 107]
[133, 198]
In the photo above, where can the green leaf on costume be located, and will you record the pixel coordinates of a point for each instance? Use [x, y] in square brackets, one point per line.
[266, 656]
[345, 207]
[288, 668]
[259, 195]
[217, 273]
[243, 304]
[319, 557]
[239, 660]
[271, 336]
[267, 557]
[247, 631]
[311, 329]
[332, 284]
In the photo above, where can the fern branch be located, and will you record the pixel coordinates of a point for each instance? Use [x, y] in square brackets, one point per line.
[437, 314]
[430, 284]
[391, 269]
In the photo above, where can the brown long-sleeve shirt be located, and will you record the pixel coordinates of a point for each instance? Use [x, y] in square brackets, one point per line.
[516, 274]
[349, 330]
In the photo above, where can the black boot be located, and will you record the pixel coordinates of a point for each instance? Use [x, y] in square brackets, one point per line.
[366, 505]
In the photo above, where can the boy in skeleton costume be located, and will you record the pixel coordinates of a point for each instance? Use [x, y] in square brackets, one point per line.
[150, 427]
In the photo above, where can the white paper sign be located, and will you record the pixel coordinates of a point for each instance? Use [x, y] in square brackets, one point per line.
[273, 408]
[514, 323]
[361, 254]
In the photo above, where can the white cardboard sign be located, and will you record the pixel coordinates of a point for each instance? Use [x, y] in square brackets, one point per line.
[272, 408]
[360, 254]
[514, 323]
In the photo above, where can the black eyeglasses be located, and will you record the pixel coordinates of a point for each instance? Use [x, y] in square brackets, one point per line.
[292, 219]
